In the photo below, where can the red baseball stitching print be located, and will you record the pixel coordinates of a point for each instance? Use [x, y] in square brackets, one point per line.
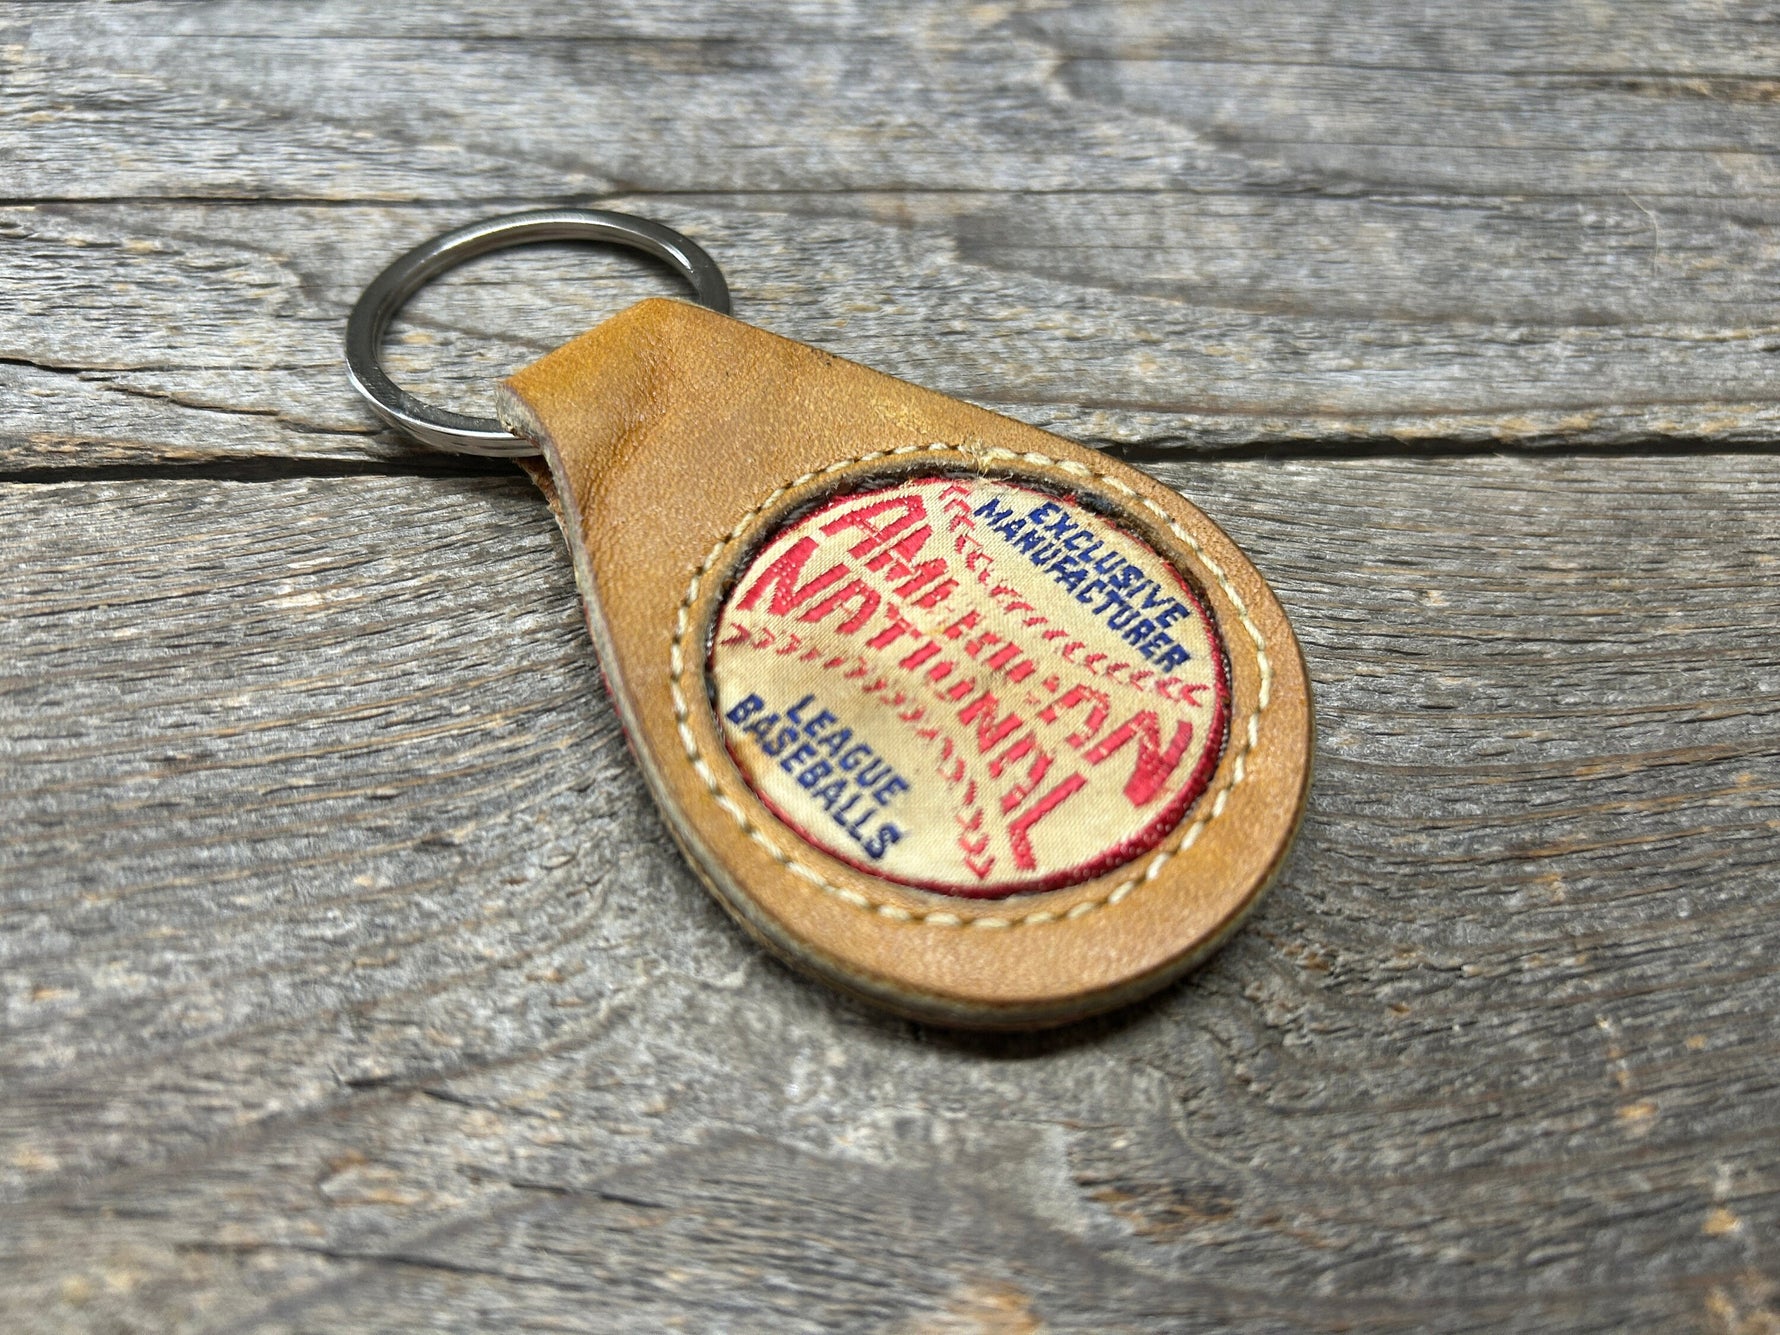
[969, 685]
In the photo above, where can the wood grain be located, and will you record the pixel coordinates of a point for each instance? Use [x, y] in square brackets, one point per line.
[347, 979]
[1175, 227]
[349, 976]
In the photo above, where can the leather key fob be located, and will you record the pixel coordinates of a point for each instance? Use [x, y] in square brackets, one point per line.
[956, 715]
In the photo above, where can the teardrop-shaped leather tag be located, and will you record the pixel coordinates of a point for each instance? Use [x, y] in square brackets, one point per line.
[959, 716]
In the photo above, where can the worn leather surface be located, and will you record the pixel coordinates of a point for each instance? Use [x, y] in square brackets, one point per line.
[677, 441]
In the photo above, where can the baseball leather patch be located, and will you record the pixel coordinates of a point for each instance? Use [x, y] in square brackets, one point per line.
[969, 685]
[955, 715]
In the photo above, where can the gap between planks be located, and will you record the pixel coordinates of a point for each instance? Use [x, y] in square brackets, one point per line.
[441, 464]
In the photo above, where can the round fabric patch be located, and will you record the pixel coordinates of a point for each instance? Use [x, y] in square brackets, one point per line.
[969, 685]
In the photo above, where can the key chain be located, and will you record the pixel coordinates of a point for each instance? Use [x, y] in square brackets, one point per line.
[958, 716]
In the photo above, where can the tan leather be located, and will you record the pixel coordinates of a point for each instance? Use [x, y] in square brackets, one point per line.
[677, 442]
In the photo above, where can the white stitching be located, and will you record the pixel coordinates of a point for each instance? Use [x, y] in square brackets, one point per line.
[941, 917]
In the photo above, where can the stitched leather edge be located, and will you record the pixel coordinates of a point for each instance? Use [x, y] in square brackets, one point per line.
[1172, 847]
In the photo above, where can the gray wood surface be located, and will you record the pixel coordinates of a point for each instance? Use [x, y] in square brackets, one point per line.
[349, 982]
[1194, 225]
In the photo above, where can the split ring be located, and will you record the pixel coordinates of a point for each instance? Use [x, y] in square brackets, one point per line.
[440, 427]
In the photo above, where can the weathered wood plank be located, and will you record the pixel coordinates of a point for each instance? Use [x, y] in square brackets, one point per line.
[407, 101]
[347, 974]
[197, 331]
[1326, 223]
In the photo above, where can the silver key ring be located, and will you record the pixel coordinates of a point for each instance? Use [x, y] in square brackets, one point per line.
[440, 427]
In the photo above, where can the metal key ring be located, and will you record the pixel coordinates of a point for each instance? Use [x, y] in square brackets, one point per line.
[440, 427]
